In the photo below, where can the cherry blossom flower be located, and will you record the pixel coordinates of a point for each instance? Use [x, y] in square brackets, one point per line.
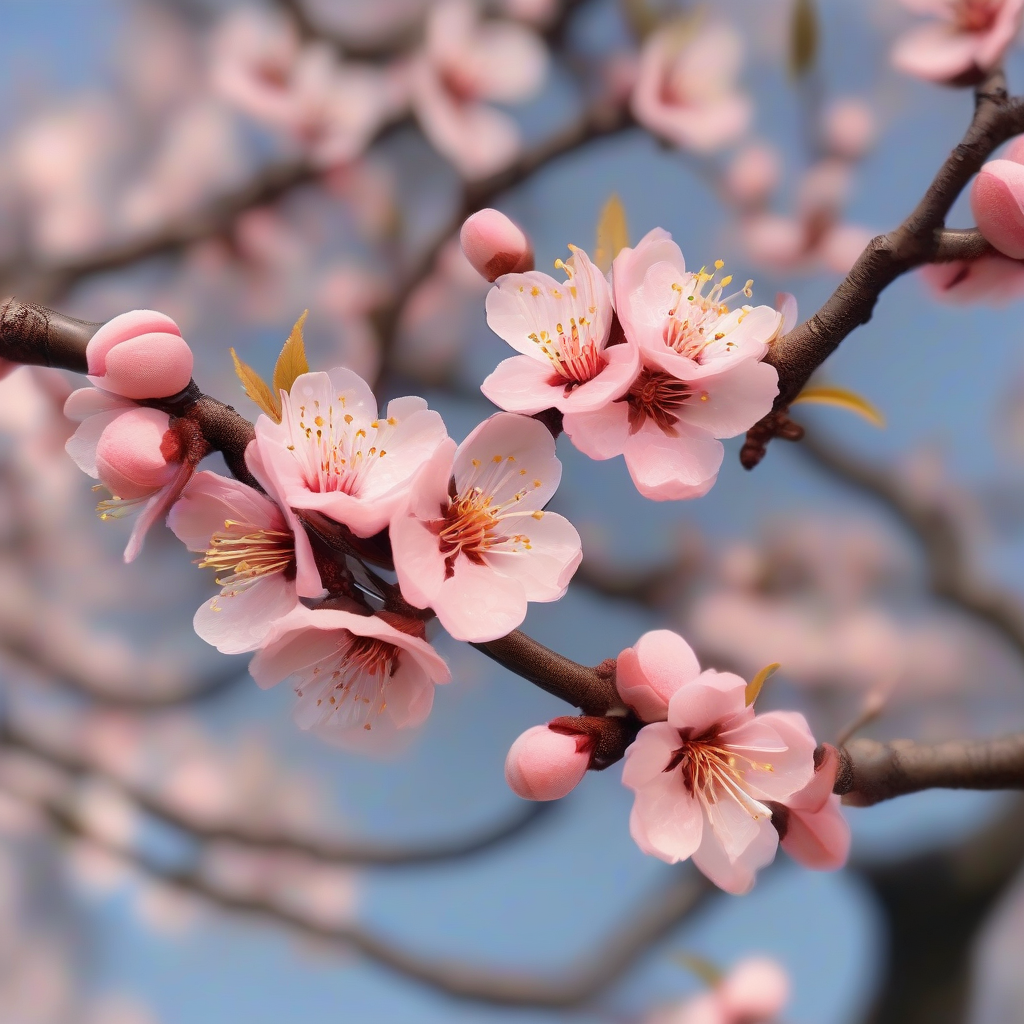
[350, 672]
[478, 549]
[547, 764]
[563, 331]
[701, 376]
[969, 39]
[704, 778]
[753, 992]
[332, 452]
[140, 354]
[466, 61]
[686, 89]
[494, 245]
[136, 453]
[995, 279]
[263, 563]
[817, 834]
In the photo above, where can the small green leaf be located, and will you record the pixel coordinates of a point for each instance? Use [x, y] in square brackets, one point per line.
[762, 677]
[803, 38]
[843, 398]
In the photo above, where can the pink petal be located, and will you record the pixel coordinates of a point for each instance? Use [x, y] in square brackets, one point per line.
[418, 560]
[554, 556]
[478, 604]
[601, 434]
[997, 200]
[156, 507]
[210, 499]
[523, 384]
[706, 701]
[666, 821]
[240, 621]
[731, 402]
[649, 754]
[936, 52]
[756, 989]
[737, 876]
[650, 672]
[792, 769]
[673, 468]
[819, 839]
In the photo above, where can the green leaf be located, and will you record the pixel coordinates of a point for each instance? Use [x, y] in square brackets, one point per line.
[843, 398]
[762, 677]
[291, 363]
[803, 38]
[257, 389]
[612, 233]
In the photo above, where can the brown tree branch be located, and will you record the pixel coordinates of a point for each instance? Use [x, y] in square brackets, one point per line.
[920, 239]
[871, 772]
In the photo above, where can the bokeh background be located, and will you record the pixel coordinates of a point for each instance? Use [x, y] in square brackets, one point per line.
[112, 131]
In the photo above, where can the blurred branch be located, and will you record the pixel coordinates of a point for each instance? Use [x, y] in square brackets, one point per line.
[920, 239]
[953, 576]
[347, 853]
[586, 978]
[871, 772]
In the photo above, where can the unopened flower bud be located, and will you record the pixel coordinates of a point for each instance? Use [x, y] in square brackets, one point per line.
[997, 199]
[849, 128]
[755, 989]
[140, 354]
[495, 246]
[137, 453]
[1015, 150]
[546, 765]
[754, 174]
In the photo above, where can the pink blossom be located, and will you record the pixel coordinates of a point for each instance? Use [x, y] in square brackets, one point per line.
[332, 452]
[478, 549]
[350, 672]
[563, 330]
[494, 245]
[754, 174]
[140, 354]
[263, 565]
[704, 778]
[135, 453]
[995, 279]
[849, 129]
[997, 200]
[701, 376]
[686, 91]
[969, 39]
[754, 991]
[817, 834]
[649, 672]
[544, 764]
[465, 62]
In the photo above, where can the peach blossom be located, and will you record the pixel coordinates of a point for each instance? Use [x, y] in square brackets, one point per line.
[140, 354]
[134, 453]
[563, 331]
[544, 764]
[476, 550]
[650, 671]
[351, 672]
[465, 62]
[494, 245]
[753, 174]
[332, 452]
[704, 778]
[969, 38]
[848, 128]
[686, 90]
[817, 833]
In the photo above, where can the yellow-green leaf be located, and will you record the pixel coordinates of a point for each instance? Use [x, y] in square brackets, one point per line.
[803, 37]
[829, 394]
[612, 233]
[762, 677]
[704, 969]
[257, 389]
[291, 363]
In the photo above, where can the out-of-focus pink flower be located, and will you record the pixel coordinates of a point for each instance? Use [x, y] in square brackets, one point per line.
[248, 541]
[817, 833]
[350, 672]
[135, 453]
[140, 354]
[804, 245]
[993, 279]
[848, 128]
[968, 40]
[701, 377]
[494, 245]
[478, 549]
[754, 991]
[703, 778]
[649, 672]
[536, 12]
[332, 452]
[465, 62]
[686, 91]
[997, 200]
[563, 330]
[544, 764]
[753, 174]
[331, 109]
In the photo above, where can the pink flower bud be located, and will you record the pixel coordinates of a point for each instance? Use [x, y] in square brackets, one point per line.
[495, 246]
[754, 174]
[755, 989]
[1015, 151]
[546, 765]
[140, 354]
[997, 199]
[849, 128]
[137, 454]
